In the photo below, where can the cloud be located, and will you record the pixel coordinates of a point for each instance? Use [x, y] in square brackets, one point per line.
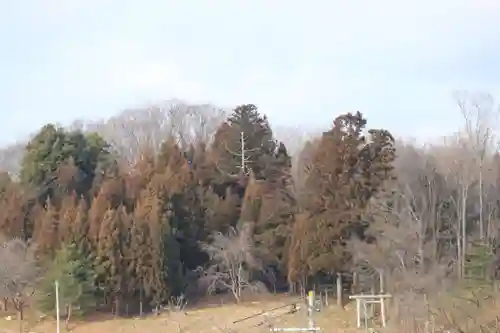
[398, 62]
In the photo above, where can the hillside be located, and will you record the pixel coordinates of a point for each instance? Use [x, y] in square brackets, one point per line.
[239, 212]
[130, 129]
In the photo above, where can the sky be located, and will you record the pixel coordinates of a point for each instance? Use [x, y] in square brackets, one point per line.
[301, 62]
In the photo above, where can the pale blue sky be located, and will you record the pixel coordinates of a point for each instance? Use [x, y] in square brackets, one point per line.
[301, 62]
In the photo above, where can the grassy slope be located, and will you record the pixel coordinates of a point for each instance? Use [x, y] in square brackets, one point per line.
[205, 320]
[219, 318]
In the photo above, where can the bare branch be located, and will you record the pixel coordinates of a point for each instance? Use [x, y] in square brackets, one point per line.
[231, 262]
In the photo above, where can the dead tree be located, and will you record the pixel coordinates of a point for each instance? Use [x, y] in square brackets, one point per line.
[231, 262]
[243, 155]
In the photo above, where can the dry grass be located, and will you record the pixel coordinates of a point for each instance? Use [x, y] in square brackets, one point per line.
[218, 316]
[212, 318]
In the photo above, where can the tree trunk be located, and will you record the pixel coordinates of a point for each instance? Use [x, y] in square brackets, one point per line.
[20, 322]
[117, 305]
[140, 302]
[20, 317]
[68, 316]
[339, 290]
[236, 294]
[464, 227]
[459, 246]
[481, 219]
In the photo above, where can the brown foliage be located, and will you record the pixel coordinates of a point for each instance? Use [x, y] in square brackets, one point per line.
[345, 170]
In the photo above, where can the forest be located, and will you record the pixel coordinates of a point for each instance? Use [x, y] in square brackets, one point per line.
[207, 201]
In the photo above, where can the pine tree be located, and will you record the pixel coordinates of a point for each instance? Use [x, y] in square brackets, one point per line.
[247, 136]
[75, 276]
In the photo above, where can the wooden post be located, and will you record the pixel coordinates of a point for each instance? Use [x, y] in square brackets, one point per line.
[382, 303]
[339, 289]
[358, 312]
[57, 306]
[310, 308]
[354, 284]
[367, 300]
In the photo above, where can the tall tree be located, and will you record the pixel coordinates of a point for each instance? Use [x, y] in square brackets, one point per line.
[242, 141]
[154, 255]
[110, 264]
[75, 276]
[46, 231]
[346, 171]
[276, 209]
[54, 147]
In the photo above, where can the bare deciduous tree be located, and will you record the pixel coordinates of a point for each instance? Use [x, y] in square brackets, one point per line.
[480, 116]
[457, 165]
[405, 256]
[231, 262]
[18, 273]
[133, 130]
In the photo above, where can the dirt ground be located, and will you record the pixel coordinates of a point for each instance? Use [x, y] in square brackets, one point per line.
[214, 317]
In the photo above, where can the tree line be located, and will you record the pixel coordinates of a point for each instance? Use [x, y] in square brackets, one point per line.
[234, 210]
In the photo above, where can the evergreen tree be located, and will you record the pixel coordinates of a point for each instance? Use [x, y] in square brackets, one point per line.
[109, 257]
[248, 125]
[80, 229]
[54, 148]
[75, 276]
[12, 212]
[347, 170]
[67, 216]
[47, 231]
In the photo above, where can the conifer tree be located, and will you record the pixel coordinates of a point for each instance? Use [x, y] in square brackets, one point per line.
[75, 276]
[47, 231]
[245, 136]
[139, 264]
[109, 257]
[99, 206]
[67, 216]
[340, 184]
[80, 229]
[156, 253]
[12, 212]
[221, 212]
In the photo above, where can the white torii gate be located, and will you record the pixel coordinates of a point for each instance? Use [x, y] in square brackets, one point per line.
[364, 299]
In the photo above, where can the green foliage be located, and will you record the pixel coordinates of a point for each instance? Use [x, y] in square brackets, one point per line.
[142, 224]
[258, 138]
[53, 148]
[75, 276]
